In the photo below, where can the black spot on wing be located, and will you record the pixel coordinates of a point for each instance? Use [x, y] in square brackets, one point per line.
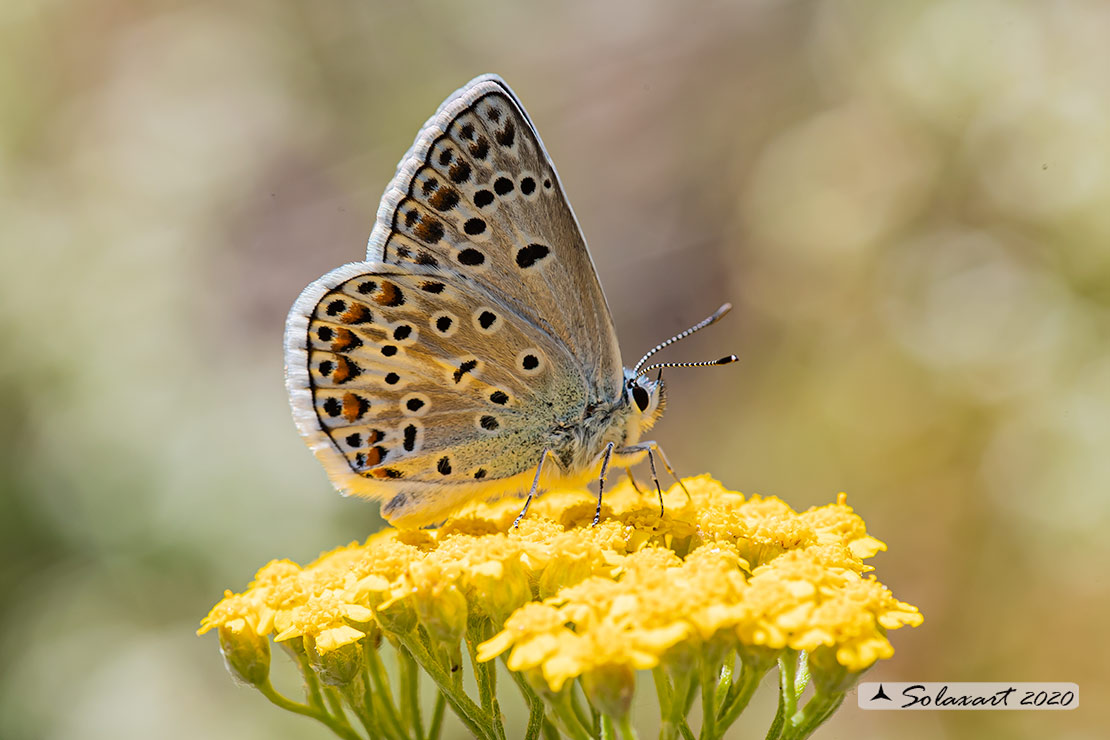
[471, 257]
[480, 148]
[528, 256]
[463, 369]
[459, 172]
[444, 199]
[506, 135]
[429, 230]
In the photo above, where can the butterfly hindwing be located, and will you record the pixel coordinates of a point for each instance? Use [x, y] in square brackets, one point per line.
[408, 378]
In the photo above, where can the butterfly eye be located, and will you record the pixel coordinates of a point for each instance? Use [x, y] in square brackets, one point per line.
[640, 396]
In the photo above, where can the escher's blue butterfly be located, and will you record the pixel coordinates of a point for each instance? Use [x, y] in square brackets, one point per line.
[472, 354]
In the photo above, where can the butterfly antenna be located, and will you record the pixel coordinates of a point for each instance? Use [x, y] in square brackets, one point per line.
[717, 316]
[706, 363]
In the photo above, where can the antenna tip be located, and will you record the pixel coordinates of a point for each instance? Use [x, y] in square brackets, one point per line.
[727, 360]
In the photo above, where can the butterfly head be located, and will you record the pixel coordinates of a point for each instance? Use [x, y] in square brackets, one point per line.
[646, 397]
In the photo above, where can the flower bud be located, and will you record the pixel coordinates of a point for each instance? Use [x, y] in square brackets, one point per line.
[443, 614]
[499, 588]
[828, 675]
[610, 688]
[336, 667]
[246, 654]
[563, 572]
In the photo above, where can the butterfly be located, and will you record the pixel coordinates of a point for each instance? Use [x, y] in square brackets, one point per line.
[472, 354]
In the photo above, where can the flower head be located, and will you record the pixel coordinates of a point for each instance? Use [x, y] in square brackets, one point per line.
[561, 601]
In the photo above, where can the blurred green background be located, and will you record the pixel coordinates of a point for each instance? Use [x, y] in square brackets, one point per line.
[908, 203]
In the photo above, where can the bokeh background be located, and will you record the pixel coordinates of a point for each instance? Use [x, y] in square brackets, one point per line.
[908, 203]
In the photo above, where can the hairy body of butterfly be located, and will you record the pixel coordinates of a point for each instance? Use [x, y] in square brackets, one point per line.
[473, 353]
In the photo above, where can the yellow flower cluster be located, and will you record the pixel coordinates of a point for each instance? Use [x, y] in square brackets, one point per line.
[568, 600]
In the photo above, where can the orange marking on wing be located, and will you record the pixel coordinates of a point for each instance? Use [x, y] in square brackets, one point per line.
[356, 313]
[344, 370]
[354, 407]
[387, 294]
[345, 339]
[385, 473]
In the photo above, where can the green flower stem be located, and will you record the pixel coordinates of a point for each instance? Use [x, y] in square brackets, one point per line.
[775, 730]
[739, 694]
[628, 732]
[335, 704]
[606, 729]
[708, 678]
[391, 723]
[410, 693]
[490, 669]
[485, 673]
[311, 683]
[590, 720]
[339, 727]
[813, 715]
[674, 703]
[535, 706]
[795, 677]
[436, 726]
[792, 683]
[470, 713]
[788, 665]
[550, 732]
[663, 689]
[724, 683]
[801, 680]
[564, 715]
[481, 677]
[356, 695]
[668, 730]
[689, 686]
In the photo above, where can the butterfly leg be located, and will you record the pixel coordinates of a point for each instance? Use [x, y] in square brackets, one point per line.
[632, 480]
[667, 465]
[532, 492]
[649, 447]
[601, 480]
[655, 477]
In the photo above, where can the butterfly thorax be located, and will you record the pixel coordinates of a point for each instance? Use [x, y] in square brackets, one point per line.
[579, 442]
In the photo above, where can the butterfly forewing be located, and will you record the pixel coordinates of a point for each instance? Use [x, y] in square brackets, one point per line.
[477, 196]
[437, 370]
